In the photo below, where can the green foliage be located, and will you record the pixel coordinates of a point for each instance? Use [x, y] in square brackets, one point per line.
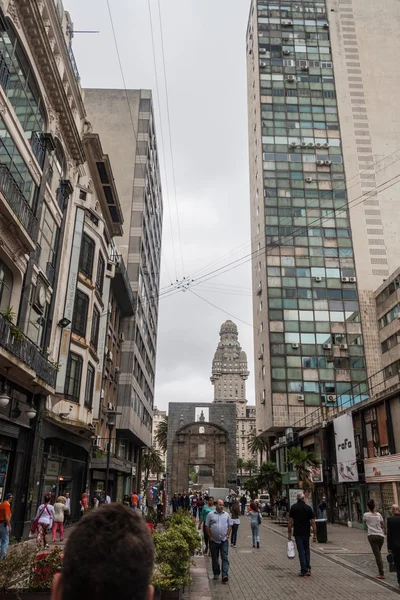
[8, 315]
[251, 486]
[257, 444]
[301, 460]
[172, 560]
[16, 568]
[269, 477]
[250, 466]
[240, 465]
[46, 565]
[183, 522]
[162, 434]
[151, 463]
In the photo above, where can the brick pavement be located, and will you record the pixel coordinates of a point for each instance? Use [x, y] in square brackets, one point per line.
[268, 574]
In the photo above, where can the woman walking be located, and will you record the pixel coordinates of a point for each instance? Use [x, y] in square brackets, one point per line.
[60, 508]
[84, 503]
[44, 517]
[376, 534]
[206, 509]
[255, 517]
[235, 514]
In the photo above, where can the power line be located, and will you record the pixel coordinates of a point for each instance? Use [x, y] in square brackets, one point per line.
[162, 143]
[221, 309]
[170, 137]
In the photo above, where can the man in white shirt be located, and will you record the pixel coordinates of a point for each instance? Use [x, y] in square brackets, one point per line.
[218, 528]
[68, 505]
[108, 500]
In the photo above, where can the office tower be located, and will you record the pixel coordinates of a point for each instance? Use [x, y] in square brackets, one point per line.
[229, 374]
[323, 225]
[125, 122]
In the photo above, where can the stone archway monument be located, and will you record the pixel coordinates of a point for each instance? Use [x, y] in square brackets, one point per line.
[203, 435]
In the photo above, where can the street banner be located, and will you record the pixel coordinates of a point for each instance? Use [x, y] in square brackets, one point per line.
[345, 449]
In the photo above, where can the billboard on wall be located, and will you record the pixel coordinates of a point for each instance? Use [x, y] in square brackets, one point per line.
[346, 461]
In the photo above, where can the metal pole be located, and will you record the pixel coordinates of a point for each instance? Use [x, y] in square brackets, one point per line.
[108, 461]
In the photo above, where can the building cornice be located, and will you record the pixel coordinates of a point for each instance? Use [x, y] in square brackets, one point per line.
[31, 20]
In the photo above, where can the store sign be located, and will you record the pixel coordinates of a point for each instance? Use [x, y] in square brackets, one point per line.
[53, 468]
[316, 473]
[293, 496]
[345, 449]
[133, 470]
[385, 468]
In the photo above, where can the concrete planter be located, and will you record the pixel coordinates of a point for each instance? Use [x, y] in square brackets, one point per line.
[167, 594]
[26, 595]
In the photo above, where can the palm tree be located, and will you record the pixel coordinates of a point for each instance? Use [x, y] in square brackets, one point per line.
[240, 465]
[269, 478]
[301, 462]
[162, 434]
[250, 466]
[151, 463]
[256, 443]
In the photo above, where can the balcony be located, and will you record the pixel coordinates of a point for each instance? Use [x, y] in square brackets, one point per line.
[27, 352]
[17, 202]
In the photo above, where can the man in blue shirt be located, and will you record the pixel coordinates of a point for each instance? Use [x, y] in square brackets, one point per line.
[218, 528]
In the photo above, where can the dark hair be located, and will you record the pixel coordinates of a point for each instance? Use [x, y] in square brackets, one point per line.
[109, 554]
[254, 507]
[47, 498]
[371, 504]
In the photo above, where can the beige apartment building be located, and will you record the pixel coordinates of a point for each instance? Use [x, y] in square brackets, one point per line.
[323, 155]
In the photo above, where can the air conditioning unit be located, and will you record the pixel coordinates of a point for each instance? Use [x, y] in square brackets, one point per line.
[320, 163]
[331, 398]
[353, 279]
[260, 355]
[304, 68]
[263, 64]
[318, 279]
[110, 406]
[286, 52]
[327, 346]
[117, 370]
[300, 398]
[324, 424]
[287, 23]
[96, 442]
[326, 25]
[109, 356]
[318, 145]
[295, 346]
[326, 145]
[328, 163]
[262, 50]
[343, 346]
[303, 145]
[293, 145]
[121, 337]
[309, 179]
[102, 395]
[111, 270]
[291, 79]
[311, 145]
[345, 279]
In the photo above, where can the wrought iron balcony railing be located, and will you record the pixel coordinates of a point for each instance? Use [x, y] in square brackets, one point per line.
[26, 351]
[17, 201]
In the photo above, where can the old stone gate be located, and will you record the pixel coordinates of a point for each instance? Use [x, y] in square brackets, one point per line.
[209, 443]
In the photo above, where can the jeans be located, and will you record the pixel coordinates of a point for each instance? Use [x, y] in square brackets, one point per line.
[255, 533]
[376, 543]
[4, 539]
[235, 528]
[216, 549]
[396, 560]
[303, 548]
[60, 527]
[243, 508]
[206, 539]
[194, 509]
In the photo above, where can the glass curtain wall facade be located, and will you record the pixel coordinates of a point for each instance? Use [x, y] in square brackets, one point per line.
[314, 334]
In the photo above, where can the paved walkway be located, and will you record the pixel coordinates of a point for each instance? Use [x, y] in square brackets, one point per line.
[267, 573]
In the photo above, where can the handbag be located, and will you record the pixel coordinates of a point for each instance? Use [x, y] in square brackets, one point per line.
[291, 551]
[392, 566]
[35, 523]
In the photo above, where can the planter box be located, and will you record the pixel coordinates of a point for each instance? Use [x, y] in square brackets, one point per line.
[165, 594]
[26, 595]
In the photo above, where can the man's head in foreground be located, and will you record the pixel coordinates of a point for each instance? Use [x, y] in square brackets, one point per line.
[109, 556]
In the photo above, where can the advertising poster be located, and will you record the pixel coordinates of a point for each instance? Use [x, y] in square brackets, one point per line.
[345, 449]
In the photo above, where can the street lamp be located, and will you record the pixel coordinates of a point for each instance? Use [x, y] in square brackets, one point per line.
[111, 420]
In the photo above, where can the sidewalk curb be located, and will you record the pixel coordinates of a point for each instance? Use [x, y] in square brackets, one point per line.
[199, 588]
[341, 562]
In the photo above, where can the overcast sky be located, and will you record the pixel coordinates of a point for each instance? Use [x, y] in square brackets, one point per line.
[205, 55]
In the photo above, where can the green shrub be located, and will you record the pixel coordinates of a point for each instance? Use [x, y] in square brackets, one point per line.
[172, 560]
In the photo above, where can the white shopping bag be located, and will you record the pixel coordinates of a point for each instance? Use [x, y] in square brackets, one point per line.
[291, 552]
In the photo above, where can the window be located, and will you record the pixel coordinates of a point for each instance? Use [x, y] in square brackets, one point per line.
[79, 319]
[87, 256]
[89, 386]
[389, 317]
[94, 336]
[73, 377]
[6, 285]
[100, 274]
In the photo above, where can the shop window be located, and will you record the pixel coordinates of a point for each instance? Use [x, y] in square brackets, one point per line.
[87, 256]
[79, 319]
[73, 377]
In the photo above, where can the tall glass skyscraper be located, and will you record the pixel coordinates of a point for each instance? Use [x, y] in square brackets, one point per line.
[309, 343]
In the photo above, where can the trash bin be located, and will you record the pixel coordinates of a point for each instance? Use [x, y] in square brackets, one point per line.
[322, 531]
